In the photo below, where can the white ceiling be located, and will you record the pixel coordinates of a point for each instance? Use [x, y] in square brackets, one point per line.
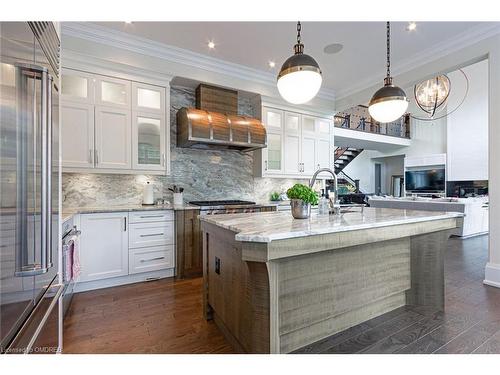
[361, 62]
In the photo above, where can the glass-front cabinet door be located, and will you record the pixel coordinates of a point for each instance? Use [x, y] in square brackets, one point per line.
[112, 92]
[273, 163]
[148, 137]
[148, 98]
[77, 86]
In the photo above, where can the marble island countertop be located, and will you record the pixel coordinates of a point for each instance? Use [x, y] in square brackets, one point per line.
[270, 226]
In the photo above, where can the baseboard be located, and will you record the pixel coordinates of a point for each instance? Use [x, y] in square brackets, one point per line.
[492, 275]
[123, 280]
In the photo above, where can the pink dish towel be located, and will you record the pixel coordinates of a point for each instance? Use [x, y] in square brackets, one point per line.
[76, 260]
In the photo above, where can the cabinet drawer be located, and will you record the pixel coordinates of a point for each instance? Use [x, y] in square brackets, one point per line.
[151, 216]
[151, 234]
[151, 259]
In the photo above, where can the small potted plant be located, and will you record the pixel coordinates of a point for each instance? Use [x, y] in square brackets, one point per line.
[301, 199]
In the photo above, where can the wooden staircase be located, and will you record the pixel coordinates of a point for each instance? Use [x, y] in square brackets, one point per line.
[343, 156]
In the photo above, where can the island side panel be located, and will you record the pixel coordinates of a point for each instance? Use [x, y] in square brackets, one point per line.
[236, 293]
[324, 293]
[427, 269]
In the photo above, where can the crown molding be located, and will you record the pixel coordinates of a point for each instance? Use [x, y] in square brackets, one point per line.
[84, 62]
[114, 38]
[435, 52]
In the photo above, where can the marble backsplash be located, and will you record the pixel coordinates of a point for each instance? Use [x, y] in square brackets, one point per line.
[204, 174]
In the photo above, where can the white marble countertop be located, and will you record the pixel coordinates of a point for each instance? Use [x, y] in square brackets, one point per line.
[70, 211]
[270, 226]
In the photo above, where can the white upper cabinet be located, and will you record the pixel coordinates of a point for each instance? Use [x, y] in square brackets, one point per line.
[148, 141]
[113, 92]
[297, 144]
[77, 86]
[293, 163]
[148, 127]
[77, 132]
[148, 98]
[112, 125]
[273, 153]
[113, 147]
[273, 119]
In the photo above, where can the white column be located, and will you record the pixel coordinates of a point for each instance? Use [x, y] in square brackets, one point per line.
[492, 271]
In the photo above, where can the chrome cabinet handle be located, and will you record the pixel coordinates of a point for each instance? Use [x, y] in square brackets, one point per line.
[124, 223]
[163, 162]
[150, 216]
[265, 165]
[151, 235]
[91, 160]
[150, 260]
[24, 266]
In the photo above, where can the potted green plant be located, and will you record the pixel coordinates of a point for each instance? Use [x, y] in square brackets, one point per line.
[301, 198]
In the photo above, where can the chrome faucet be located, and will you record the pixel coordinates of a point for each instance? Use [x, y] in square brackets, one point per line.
[335, 206]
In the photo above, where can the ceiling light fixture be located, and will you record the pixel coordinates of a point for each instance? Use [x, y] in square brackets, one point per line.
[299, 79]
[128, 22]
[272, 64]
[389, 103]
[411, 26]
[432, 94]
[211, 44]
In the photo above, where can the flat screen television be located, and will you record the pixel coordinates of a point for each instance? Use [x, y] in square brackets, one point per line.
[425, 181]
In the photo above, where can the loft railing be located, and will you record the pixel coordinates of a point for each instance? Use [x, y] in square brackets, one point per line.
[399, 128]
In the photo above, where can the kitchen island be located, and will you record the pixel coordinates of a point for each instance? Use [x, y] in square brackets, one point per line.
[274, 284]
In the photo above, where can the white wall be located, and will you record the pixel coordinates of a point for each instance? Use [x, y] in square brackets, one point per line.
[467, 145]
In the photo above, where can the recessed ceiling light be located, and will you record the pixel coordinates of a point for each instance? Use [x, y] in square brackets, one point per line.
[333, 48]
[211, 44]
[272, 64]
[411, 26]
[128, 22]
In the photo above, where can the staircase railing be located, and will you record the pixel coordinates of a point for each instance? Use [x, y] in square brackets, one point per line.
[339, 151]
[344, 176]
[399, 128]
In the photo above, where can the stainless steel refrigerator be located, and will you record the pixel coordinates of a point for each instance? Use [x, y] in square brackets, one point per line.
[30, 287]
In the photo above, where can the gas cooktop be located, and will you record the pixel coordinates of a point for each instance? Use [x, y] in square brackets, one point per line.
[221, 203]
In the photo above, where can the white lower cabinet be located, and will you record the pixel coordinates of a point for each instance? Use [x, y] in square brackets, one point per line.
[116, 248]
[151, 234]
[103, 246]
[151, 258]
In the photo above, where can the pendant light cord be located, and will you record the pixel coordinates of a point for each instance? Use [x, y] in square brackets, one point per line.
[388, 49]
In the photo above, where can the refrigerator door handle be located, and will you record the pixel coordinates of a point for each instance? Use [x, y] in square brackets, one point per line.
[47, 78]
[23, 267]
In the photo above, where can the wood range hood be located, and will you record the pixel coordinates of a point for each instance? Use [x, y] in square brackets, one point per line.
[198, 128]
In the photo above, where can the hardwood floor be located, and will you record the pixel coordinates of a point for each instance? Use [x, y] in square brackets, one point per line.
[470, 323]
[165, 316]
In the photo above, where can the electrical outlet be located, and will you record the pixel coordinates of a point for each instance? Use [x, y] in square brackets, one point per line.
[217, 266]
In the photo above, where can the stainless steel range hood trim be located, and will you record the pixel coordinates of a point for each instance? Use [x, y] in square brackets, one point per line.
[185, 136]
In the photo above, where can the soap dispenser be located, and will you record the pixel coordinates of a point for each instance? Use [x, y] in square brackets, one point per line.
[323, 206]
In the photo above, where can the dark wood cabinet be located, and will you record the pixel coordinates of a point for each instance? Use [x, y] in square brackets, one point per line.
[188, 244]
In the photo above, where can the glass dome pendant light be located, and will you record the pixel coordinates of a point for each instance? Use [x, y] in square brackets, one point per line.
[390, 102]
[299, 79]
